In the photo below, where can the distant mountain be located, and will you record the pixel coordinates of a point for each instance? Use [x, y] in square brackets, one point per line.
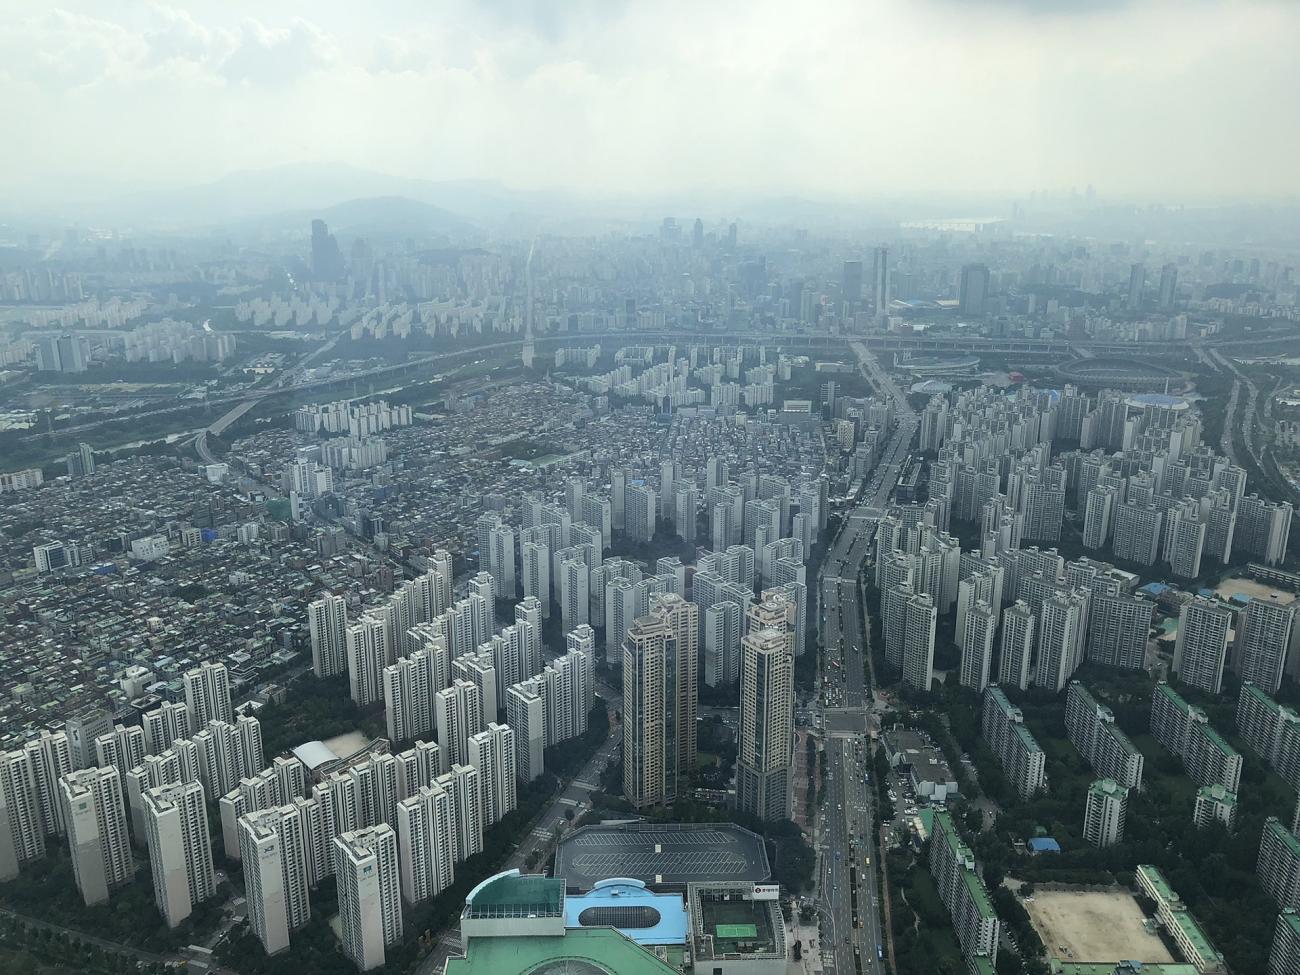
[378, 217]
[254, 196]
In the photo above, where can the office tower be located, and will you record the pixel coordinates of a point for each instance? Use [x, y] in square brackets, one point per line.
[1118, 627]
[1278, 864]
[1136, 533]
[492, 752]
[851, 286]
[618, 497]
[535, 559]
[1137, 277]
[1168, 287]
[880, 280]
[82, 730]
[572, 586]
[977, 646]
[367, 651]
[408, 697]
[458, 713]
[1092, 730]
[1263, 637]
[326, 258]
[180, 853]
[526, 715]
[1023, 761]
[639, 512]
[273, 849]
[501, 549]
[370, 904]
[764, 765]
[327, 621]
[426, 843]
[207, 694]
[95, 814]
[974, 289]
[1103, 815]
[919, 616]
[463, 784]
[164, 725]
[1201, 646]
[1284, 956]
[22, 831]
[49, 759]
[1058, 633]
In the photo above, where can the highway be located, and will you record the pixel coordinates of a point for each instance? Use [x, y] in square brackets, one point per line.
[848, 894]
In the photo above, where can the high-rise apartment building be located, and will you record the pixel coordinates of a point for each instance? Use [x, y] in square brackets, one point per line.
[22, 833]
[1022, 759]
[369, 886]
[277, 876]
[1201, 647]
[1104, 812]
[919, 618]
[640, 512]
[463, 785]
[95, 814]
[180, 852]
[1278, 864]
[207, 694]
[526, 715]
[409, 686]
[327, 623]
[458, 713]
[366, 643]
[164, 725]
[1118, 628]
[1018, 638]
[1092, 730]
[1185, 731]
[956, 875]
[1284, 956]
[1263, 639]
[765, 763]
[492, 752]
[977, 646]
[426, 843]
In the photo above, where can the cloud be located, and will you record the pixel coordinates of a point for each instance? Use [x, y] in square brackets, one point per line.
[277, 56]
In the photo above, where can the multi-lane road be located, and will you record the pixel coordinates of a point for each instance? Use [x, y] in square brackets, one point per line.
[847, 895]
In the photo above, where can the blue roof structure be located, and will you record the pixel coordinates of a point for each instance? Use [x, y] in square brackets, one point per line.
[1154, 588]
[629, 907]
[1044, 844]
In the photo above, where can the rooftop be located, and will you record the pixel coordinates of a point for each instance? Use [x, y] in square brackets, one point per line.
[582, 951]
[512, 894]
[638, 913]
[661, 854]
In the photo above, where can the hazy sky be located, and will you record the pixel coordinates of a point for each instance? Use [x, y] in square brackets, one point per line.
[1160, 99]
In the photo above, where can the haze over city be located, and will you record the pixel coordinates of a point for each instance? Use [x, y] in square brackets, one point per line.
[650, 488]
[1151, 100]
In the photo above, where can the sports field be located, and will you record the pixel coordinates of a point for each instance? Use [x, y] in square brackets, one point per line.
[1096, 926]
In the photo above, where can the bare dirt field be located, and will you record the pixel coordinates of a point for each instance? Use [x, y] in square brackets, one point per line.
[1093, 926]
[1238, 586]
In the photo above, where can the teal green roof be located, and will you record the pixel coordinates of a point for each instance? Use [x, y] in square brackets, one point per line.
[1289, 839]
[1181, 916]
[512, 894]
[980, 965]
[1027, 738]
[593, 951]
[978, 895]
[1215, 739]
[1175, 698]
[1217, 793]
[1291, 918]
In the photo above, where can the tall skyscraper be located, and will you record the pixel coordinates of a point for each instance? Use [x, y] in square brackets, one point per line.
[369, 886]
[327, 622]
[326, 258]
[180, 852]
[851, 285]
[274, 852]
[95, 814]
[207, 694]
[1137, 277]
[880, 280]
[501, 542]
[1168, 287]
[974, 289]
[764, 765]
[645, 661]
